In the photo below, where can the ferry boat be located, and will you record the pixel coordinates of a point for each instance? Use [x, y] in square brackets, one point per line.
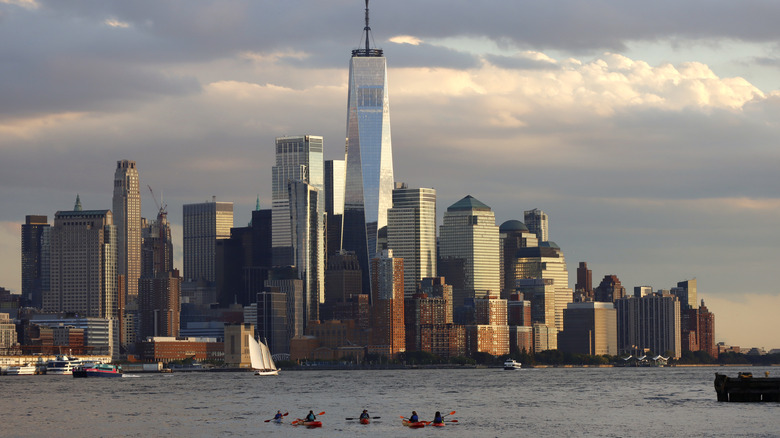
[511, 364]
[21, 370]
[62, 364]
[98, 370]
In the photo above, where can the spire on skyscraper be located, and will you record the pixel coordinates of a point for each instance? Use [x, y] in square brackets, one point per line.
[77, 207]
[367, 50]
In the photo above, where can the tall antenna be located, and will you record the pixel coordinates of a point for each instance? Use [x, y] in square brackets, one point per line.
[367, 51]
[367, 29]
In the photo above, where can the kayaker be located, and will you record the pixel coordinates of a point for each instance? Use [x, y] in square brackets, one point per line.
[364, 415]
[311, 416]
[437, 419]
[278, 415]
[414, 418]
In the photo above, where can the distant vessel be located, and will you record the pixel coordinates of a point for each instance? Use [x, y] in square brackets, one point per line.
[511, 364]
[746, 388]
[21, 370]
[262, 362]
[62, 364]
[98, 370]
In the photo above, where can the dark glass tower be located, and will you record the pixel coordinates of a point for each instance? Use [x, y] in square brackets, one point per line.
[369, 158]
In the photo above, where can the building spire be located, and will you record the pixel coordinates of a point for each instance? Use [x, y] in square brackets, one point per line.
[77, 207]
[367, 50]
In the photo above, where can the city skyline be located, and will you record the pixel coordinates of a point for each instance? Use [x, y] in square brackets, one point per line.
[649, 146]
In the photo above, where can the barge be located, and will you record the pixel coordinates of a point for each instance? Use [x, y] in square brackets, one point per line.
[746, 388]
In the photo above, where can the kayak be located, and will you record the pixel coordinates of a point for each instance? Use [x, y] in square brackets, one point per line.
[437, 424]
[414, 424]
[365, 421]
[277, 420]
[307, 423]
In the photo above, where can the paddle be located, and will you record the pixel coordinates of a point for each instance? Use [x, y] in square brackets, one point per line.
[283, 415]
[301, 421]
[373, 418]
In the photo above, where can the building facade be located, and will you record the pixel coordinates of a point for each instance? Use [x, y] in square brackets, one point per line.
[298, 158]
[308, 244]
[651, 322]
[591, 328]
[127, 220]
[204, 223]
[536, 221]
[469, 235]
[33, 273]
[387, 305]
[411, 233]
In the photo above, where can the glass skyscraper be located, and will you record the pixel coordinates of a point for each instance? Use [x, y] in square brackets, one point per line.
[369, 156]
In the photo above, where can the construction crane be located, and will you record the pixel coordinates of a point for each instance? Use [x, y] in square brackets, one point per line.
[162, 218]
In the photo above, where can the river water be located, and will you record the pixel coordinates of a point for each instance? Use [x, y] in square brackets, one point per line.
[559, 402]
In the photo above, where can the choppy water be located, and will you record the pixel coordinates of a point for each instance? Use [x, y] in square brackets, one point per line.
[609, 402]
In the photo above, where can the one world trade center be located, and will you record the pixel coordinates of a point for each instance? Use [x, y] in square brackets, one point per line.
[369, 155]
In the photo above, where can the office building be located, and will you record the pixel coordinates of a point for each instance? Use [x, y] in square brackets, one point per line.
[411, 233]
[584, 283]
[686, 292]
[33, 247]
[469, 237]
[591, 328]
[159, 305]
[298, 158]
[513, 235]
[127, 220]
[536, 221]
[272, 327]
[707, 331]
[244, 261]
[204, 224]
[308, 244]
[369, 155]
[335, 173]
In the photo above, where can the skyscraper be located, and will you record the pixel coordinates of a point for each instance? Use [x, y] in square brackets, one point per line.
[83, 278]
[334, 206]
[411, 233]
[536, 221]
[203, 224]
[32, 260]
[369, 156]
[308, 244]
[127, 219]
[387, 278]
[469, 236]
[298, 158]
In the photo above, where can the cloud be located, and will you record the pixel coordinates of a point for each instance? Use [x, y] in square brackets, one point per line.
[406, 39]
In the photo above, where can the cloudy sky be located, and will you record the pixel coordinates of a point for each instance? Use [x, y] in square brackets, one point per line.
[646, 130]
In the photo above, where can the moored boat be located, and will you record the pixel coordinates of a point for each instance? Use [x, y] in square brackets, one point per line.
[746, 388]
[62, 364]
[21, 370]
[511, 364]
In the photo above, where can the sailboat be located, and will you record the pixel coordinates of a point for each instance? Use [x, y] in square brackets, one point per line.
[262, 362]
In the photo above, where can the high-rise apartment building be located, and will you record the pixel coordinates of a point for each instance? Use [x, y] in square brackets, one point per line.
[387, 304]
[707, 331]
[469, 237]
[204, 223]
[369, 155]
[298, 158]
[308, 239]
[536, 221]
[411, 233]
[584, 280]
[33, 274]
[609, 290]
[127, 219]
[652, 321]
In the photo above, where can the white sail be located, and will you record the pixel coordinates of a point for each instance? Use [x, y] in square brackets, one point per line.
[261, 359]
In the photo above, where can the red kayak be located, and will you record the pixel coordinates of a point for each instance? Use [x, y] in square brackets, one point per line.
[300, 422]
[365, 421]
[414, 424]
[437, 424]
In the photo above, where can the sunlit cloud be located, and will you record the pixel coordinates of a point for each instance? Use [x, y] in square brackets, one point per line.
[28, 4]
[406, 39]
[113, 22]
